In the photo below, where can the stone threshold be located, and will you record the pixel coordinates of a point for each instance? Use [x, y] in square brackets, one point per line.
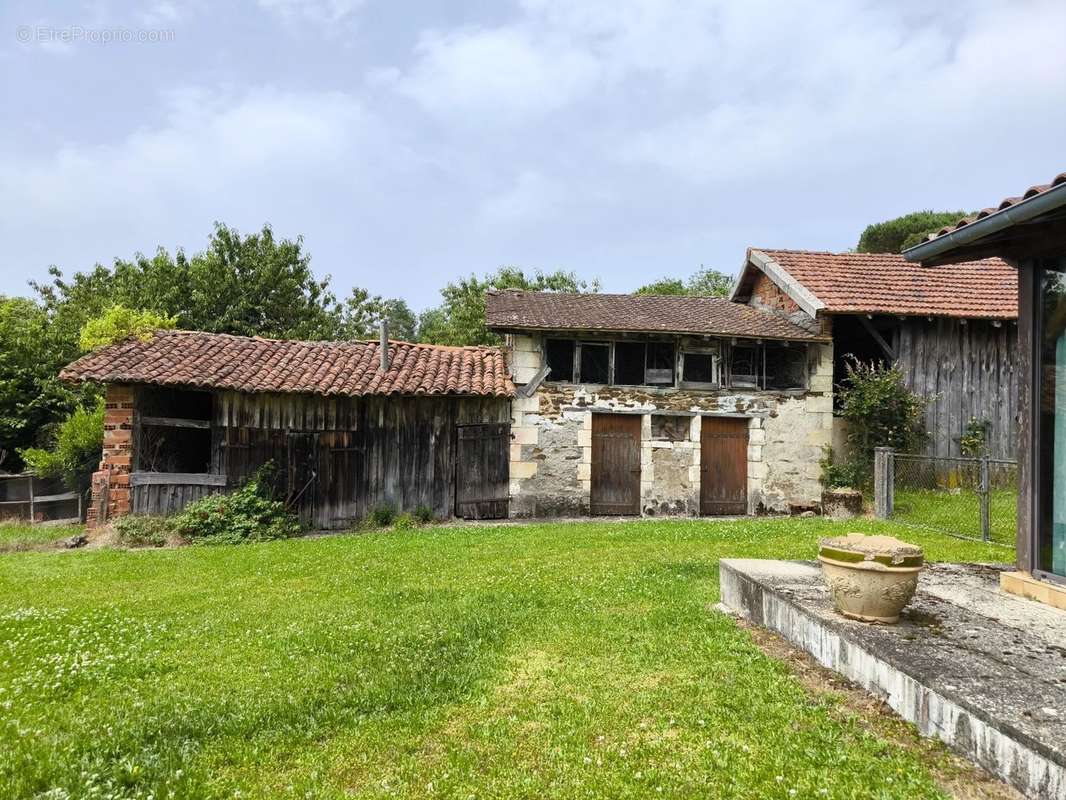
[979, 669]
[1025, 585]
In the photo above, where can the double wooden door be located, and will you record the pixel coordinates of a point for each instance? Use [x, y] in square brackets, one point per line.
[723, 466]
[615, 464]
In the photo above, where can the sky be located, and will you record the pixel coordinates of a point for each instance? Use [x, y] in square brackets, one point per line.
[413, 142]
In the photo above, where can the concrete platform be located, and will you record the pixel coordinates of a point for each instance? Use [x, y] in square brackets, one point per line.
[982, 670]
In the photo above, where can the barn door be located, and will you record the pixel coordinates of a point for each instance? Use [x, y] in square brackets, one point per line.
[723, 466]
[482, 471]
[302, 476]
[615, 464]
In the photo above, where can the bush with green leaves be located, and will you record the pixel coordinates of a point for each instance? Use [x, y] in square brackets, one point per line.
[118, 323]
[381, 516]
[839, 474]
[425, 515]
[405, 522]
[137, 530]
[974, 439]
[880, 411]
[249, 514]
[75, 450]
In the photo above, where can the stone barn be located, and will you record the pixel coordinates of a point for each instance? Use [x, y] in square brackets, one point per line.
[348, 426]
[643, 405]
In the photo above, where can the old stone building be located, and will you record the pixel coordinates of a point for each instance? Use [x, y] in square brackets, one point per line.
[662, 405]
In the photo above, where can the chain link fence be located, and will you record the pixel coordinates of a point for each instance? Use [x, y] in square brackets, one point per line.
[969, 498]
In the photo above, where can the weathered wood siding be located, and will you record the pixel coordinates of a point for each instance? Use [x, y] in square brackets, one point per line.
[964, 371]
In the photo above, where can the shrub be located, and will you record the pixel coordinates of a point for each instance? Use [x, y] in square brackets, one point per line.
[248, 514]
[405, 522]
[839, 474]
[382, 516]
[118, 323]
[135, 530]
[75, 451]
[974, 439]
[425, 515]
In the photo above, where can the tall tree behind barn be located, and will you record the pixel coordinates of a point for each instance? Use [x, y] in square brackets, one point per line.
[193, 413]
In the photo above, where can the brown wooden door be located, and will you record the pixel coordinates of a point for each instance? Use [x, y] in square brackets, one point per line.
[482, 471]
[723, 466]
[615, 464]
[302, 476]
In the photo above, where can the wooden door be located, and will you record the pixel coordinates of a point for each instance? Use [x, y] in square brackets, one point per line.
[723, 466]
[615, 464]
[482, 475]
[302, 476]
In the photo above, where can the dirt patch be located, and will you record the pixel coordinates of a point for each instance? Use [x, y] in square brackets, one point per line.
[955, 775]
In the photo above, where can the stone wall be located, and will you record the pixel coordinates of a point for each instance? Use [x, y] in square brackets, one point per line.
[551, 450]
[111, 483]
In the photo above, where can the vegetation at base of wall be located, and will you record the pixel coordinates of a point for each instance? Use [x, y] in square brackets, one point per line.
[896, 235]
[839, 473]
[118, 323]
[705, 282]
[381, 516]
[74, 453]
[138, 530]
[974, 440]
[556, 660]
[248, 514]
[404, 522]
[425, 515]
[881, 412]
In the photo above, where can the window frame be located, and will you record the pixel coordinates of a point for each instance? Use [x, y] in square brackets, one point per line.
[715, 354]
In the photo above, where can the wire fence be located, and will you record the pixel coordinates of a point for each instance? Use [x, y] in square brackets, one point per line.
[27, 498]
[969, 498]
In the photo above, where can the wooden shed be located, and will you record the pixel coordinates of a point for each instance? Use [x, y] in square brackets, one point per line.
[346, 426]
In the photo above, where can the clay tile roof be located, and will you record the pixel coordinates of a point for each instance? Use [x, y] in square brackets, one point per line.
[511, 309]
[247, 364]
[1006, 203]
[886, 283]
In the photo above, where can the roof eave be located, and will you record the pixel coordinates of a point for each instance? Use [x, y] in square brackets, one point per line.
[512, 328]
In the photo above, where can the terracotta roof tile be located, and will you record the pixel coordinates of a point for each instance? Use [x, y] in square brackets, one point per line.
[251, 364]
[886, 283]
[1007, 202]
[511, 309]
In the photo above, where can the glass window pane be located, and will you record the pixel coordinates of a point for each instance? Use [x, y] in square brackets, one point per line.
[699, 368]
[660, 371]
[594, 362]
[1051, 403]
[629, 363]
[559, 355]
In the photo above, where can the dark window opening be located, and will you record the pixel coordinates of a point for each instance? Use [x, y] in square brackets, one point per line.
[744, 366]
[168, 449]
[154, 401]
[629, 363]
[559, 356]
[785, 367]
[698, 368]
[660, 369]
[595, 363]
[669, 428]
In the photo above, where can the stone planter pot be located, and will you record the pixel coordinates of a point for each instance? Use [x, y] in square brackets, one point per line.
[871, 578]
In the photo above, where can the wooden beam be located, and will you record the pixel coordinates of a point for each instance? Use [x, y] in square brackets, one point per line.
[877, 337]
[176, 479]
[176, 422]
[528, 389]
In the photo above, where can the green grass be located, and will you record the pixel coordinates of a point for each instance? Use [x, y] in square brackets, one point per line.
[958, 512]
[22, 536]
[550, 660]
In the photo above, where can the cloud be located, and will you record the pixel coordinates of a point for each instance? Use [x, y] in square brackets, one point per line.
[321, 13]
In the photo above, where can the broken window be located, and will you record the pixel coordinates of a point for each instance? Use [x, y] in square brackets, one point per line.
[785, 367]
[669, 427]
[744, 366]
[699, 368]
[629, 363]
[595, 362]
[559, 356]
[660, 364]
[174, 430]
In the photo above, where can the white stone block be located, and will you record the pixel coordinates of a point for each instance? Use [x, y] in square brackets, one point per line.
[584, 472]
[757, 470]
[525, 404]
[821, 383]
[819, 404]
[523, 434]
[757, 436]
[661, 445]
[523, 469]
[818, 438]
[586, 455]
[516, 452]
[526, 358]
[754, 452]
[523, 374]
[694, 428]
[584, 437]
[694, 475]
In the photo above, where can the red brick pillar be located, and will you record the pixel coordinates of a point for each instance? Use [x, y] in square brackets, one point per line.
[111, 484]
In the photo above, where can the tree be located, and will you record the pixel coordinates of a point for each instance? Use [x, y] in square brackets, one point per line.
[364, 312]
[896, 235]
[75, 450]
[118, 323]
[705, 282]
[460, 319]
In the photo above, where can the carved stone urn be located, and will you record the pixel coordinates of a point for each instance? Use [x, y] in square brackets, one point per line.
[871, 578]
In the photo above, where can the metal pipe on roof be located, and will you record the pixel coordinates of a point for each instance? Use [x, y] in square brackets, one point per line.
[1023, 211]
[383, 345]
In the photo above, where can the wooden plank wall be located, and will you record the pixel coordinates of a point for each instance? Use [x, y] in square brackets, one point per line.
[370, 451]
[964, 371]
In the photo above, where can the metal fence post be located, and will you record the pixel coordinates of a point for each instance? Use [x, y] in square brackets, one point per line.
[883, 482]
[986, 496]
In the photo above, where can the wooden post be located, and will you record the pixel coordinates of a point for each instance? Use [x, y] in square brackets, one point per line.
[33, 518]
[986, 495]
[884, 480]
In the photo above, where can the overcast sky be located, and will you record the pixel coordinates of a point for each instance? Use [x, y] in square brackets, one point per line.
[413, 142]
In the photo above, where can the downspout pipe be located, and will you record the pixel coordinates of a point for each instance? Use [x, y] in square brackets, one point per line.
[383, 345]
[1024, 211]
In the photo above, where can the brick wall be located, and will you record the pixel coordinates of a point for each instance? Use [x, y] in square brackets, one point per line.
[111, 483]
[766, 294]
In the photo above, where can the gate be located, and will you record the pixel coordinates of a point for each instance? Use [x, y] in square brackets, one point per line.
[482, 471]
[723, 466]
[615, 464]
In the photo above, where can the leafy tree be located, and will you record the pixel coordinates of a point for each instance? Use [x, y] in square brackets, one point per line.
[75, 451]
[364, 312]
[896, 235]
[460, 319]
[118, 323]
[705, 282]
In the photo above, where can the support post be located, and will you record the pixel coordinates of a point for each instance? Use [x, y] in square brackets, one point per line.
[884, 481]
[986, 499]
[33, 517]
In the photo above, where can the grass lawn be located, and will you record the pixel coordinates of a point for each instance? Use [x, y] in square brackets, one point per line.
[19, 536]
[571, 660]
[959, 513]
